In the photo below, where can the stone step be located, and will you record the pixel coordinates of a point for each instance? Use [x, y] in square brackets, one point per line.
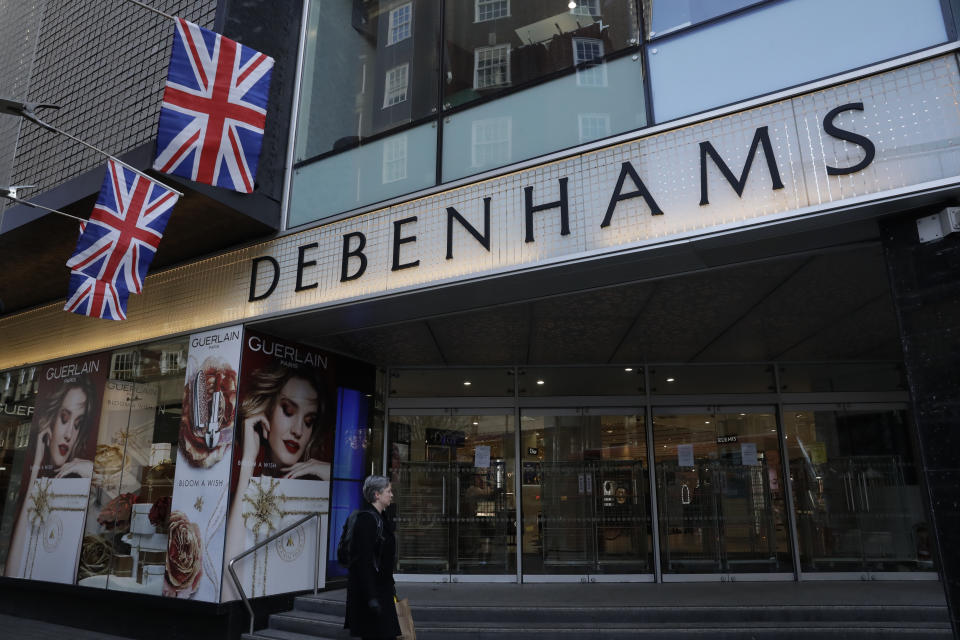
[652, 614]
[303, 625]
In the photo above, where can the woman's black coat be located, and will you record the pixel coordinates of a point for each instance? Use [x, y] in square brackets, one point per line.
[371, 578]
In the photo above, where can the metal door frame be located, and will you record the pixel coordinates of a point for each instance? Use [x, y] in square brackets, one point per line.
[731, 406]
[455, 406]
[855, 575]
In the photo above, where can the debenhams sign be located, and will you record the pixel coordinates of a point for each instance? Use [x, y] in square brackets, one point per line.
[773, 162]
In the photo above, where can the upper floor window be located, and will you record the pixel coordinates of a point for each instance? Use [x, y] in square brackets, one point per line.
[587, 8]
[491, 9]
[399, 27]
[395, 90]
[491, 66]
[589, 50]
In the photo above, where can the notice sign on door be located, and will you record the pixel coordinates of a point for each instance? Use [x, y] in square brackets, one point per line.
[748, 454]
[684, 455]
[481, 457]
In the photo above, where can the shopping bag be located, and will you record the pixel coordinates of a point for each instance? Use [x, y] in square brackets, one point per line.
[406, 620]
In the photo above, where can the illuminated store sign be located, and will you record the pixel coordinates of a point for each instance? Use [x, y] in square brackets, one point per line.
[629, 186]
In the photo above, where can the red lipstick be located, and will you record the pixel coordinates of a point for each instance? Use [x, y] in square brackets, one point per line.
[292, 446]
[64, 449]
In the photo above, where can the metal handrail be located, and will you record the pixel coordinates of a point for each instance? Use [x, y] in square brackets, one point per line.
[316, 564]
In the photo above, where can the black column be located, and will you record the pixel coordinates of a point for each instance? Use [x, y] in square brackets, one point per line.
[925, 283]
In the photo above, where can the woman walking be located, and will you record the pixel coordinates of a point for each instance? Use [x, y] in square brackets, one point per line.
[371, 613]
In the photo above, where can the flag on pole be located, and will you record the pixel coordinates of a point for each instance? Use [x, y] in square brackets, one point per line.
[97, 298]
[214, 109]
[124, 231]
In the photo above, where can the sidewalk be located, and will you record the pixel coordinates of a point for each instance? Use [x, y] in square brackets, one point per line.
[14, 628]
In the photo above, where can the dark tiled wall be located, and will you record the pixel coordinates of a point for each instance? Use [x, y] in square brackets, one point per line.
[18, 41]
[104, 63]
[925, 281]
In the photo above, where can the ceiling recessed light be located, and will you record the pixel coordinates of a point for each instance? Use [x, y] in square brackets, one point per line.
[540, 382]
[467, 383]
[706, 422]
[671, 379]
[628, 369]
[475, 422]
[572, 5]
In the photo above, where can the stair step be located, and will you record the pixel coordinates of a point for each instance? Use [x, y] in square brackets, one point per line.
[279, 634]
[653, 614]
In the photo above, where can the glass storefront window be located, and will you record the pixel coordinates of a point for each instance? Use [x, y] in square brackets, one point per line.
[586, 508]
[720, 493]
[453, 478]
[856, 487]
[18, 390]
[125, 540]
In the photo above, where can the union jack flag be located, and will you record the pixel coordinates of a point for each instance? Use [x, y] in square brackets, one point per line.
[124, 230]
[214, 109]
[98, 298]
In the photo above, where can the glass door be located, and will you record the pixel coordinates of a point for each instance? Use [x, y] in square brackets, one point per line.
[720, 493]
[453, 477]
[857, 494]
[585, 497]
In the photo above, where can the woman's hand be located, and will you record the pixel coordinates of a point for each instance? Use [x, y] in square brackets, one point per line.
[76, 467]
[311, 467]
[43, 443]
[252, 437]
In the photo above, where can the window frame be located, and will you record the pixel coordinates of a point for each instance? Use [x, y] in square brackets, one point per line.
[477, 4]
[590, 67]
[394, 26]
[591, 4]
[477, 54]
[388, 92]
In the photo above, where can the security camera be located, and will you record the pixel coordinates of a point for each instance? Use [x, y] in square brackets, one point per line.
[940, 224]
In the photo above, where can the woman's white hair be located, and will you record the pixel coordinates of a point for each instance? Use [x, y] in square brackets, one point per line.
[374, 485]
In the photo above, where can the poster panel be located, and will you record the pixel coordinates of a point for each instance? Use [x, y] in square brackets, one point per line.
[52, 502]
[284, 447]
[113, 545]
[202, 477]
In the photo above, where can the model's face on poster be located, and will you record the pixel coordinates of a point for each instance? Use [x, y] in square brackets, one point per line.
[66, 426]
[292, 422]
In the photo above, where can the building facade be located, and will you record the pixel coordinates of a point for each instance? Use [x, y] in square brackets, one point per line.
[627, 290]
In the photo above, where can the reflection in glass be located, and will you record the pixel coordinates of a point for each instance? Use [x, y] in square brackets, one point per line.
[125, 541]
[453, 478]
[664, 16]
[18, 391]
[585, 502]
[856, 491]
[522, 43]
[719, 492]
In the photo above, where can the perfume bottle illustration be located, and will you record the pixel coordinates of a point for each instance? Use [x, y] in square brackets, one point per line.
[207, 409]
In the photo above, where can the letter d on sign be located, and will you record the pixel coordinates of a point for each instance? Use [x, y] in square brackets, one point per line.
[255, 266]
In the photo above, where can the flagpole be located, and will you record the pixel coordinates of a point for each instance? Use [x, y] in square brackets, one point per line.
[40, 123]
[40, 206]
[149, 8]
